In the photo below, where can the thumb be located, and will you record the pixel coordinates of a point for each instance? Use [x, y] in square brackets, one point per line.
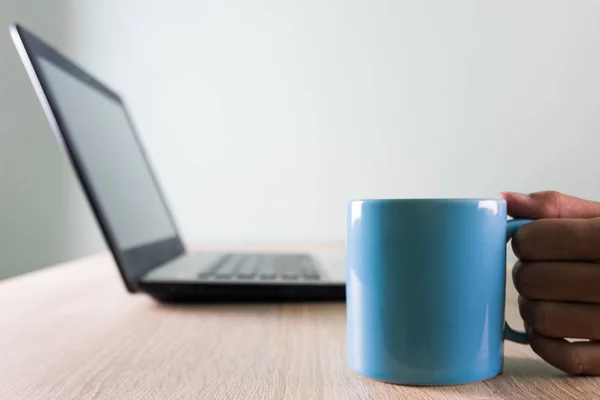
[549, 204]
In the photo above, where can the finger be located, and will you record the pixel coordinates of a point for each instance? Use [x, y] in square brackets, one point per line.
[558, 240]
[579, 358]
[549, 204]
[558, 281]
[557, 319]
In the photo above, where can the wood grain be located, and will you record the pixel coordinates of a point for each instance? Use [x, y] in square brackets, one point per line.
[73, 332]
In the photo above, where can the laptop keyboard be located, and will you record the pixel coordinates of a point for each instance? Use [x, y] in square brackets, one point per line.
[254, 266]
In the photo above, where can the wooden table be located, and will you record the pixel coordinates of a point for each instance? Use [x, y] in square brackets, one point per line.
[73, 332]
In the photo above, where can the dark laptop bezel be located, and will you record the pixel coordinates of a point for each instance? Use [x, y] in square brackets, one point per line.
[132, 263]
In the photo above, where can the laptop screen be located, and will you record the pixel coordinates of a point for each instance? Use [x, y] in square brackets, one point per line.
[116, 169]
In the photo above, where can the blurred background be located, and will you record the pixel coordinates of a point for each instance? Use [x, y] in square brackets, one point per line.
[263, 118]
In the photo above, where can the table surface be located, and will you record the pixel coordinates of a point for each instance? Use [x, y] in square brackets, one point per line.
[73, 332]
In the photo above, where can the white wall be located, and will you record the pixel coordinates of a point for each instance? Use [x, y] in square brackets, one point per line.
[38, 196]
[264, 118]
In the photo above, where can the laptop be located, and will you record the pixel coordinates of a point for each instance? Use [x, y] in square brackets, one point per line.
[91, 123]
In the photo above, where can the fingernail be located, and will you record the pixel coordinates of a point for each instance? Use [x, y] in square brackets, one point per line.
[514, 195]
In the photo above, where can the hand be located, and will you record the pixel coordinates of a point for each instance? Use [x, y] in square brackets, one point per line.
[558, 277]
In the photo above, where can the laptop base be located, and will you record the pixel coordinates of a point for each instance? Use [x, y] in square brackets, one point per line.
[197, 292]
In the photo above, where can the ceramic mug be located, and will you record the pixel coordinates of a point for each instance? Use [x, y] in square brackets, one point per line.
[425, 289]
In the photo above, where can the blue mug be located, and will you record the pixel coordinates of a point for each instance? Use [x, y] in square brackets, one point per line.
[425, 289]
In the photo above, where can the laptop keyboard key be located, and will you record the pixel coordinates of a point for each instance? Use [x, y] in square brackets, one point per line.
[290, 268]
[228, 269]
[311, 277]
[212, 269]
[248, 268]
[267, 268]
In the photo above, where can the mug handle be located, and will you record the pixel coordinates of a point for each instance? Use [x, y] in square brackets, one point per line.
[509, 333]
